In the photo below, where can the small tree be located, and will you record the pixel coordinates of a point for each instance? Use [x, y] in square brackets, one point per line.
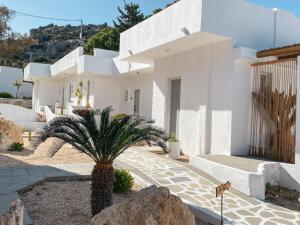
[129, 16]
[18, 84]
[104, 144]
[107, 38]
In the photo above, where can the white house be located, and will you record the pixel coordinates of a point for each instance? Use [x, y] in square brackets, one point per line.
[8, 76]
[187, 67]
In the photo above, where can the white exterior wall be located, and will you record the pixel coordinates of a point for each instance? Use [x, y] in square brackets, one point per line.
[163, 27]
[205, 103]
[106, 92]
[45, 93]
[241, 107]
[144, 83]
[8, 76]
[248, 24]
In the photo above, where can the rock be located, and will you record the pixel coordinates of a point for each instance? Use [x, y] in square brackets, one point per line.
[9, 133]
[299, 200]
[150, 206]
[14, 215]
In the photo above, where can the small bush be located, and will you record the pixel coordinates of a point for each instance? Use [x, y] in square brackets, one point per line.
[17, 147]
[6, 95]
[123, 181]
[119, 116]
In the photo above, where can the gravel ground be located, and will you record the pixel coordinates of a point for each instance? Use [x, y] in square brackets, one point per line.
[63, 203]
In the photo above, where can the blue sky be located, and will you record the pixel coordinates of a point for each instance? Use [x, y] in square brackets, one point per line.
[98, 11]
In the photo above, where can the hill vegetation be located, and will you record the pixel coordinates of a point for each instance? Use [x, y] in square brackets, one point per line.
[47, 44]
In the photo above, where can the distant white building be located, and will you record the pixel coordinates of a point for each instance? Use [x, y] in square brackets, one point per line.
[187, 67]
[8, 76]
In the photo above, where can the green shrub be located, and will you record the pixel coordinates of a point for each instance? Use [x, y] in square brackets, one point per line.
[17, 147]
[6, 95]
[119, 116]
[123, 181]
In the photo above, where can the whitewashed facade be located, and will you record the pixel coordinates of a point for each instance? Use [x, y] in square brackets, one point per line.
[201, 49]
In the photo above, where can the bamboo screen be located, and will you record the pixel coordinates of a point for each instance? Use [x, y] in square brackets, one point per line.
[274, 110]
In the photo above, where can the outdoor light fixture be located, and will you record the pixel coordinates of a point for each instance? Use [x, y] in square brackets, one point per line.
[185, 31]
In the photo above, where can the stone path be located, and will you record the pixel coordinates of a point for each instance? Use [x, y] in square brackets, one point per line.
[194, 187]
[198, 190]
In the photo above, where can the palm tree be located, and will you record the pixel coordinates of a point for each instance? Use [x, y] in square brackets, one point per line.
[103, 144]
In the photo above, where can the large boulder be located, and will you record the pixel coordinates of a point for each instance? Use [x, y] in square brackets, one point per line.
[151, 206]
[9, 133]
[14, 215]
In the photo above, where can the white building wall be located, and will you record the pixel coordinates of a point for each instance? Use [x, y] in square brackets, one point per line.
[163, 27]
[8, 76]
[248, 24]
[106, 92]
[143, 82]
[241, 107]
[46, 92]
[205, 116]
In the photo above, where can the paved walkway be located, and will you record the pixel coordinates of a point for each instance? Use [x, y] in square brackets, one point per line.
[194, 187]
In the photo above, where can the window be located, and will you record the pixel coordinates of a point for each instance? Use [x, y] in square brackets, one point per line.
[126, 96]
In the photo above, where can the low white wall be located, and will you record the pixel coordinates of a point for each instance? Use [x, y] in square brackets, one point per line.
[8, 77]
[23, 117]
[250, 183]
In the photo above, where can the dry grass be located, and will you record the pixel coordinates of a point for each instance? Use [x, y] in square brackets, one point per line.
[66, 155]
[63, 203]
[283, 197]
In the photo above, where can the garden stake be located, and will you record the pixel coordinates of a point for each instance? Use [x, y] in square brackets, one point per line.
[220, 192]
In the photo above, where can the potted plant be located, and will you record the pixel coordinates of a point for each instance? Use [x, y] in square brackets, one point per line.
[79, 93]
[174, 147]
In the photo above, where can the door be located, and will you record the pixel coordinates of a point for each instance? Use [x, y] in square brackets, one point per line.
[136, 104]
[175, 106]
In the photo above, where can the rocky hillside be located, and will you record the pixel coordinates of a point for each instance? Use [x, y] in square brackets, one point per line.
[52, 42]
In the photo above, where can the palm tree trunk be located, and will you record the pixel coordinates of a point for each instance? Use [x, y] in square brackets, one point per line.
[102, 187]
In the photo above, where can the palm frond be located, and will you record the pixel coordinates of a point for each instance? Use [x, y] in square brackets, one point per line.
[107, 142]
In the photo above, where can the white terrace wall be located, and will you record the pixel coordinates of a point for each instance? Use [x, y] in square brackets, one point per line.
[248, 24]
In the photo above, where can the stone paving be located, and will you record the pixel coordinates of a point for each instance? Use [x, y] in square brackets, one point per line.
[194, 187]
[198, 190]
